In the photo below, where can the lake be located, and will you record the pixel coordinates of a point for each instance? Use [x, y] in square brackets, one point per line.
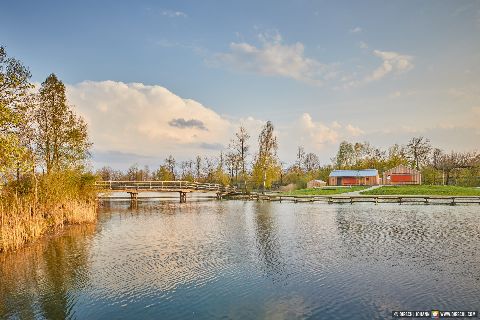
[208, 259]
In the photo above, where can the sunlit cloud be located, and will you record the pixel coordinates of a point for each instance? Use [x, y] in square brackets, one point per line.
[145, 123]
[393, 62]
[146, 120]
[274, 58]
[356, 30]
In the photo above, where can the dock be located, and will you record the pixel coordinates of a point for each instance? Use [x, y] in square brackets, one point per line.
[350, 199]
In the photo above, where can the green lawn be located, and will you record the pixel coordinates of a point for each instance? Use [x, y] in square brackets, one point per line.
[425, 190]
[322, 192]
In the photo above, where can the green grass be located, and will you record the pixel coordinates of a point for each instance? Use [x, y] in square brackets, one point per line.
[425, 190]
[322, 192]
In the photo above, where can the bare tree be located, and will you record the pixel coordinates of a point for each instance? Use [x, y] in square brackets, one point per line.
[452, 161]
[300, 157]
[170, 164]
[198, 168]
[311, 162]
[418, 149]
[240, 149]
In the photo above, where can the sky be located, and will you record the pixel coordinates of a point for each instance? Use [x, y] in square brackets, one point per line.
[154, 78]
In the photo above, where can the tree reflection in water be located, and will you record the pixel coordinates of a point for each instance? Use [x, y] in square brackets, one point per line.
[268, 242]
[37, 281]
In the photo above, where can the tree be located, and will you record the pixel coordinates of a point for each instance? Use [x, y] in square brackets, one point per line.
[15, 106]
[187, 170]
[219, 175]
[311, 162]
[170, 164]
[240, 152]
[449, 163]
[397, 155]
[232, 164]
[198, 168]
[61, 136]
[300, 157]
[345, 156]
[418, 149]
[164, 174]
[109, 174]
[266, 160]
[133, 173]
[209, 170]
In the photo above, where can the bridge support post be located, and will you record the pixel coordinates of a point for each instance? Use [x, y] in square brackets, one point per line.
[133, 197]
[219, 196]
[183, 197]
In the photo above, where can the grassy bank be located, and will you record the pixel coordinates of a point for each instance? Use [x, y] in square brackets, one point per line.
[425, 190]
[324, 191]
[33, 207]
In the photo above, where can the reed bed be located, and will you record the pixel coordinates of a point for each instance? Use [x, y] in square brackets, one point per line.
[53, 203]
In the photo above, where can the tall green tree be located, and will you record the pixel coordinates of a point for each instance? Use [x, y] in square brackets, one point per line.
[15, 104]
[266, 162]
[170, 163]
[61, 137]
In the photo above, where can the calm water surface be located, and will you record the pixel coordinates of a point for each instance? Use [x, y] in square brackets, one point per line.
[249, 260]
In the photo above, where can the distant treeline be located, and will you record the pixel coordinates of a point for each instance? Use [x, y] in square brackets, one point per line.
[266, 170]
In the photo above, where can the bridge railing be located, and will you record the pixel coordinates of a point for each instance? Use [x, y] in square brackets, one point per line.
[162, 185]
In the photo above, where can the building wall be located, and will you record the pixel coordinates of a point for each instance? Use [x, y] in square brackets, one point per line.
[315, 184]
[402, 175]
[353, 181]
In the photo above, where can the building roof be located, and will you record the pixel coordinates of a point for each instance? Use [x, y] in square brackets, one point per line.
[354, 173]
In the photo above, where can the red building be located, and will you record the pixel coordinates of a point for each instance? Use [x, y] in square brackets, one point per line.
[402, 175]
[368, 177]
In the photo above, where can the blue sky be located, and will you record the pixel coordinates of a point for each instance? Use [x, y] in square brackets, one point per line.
[322, 71]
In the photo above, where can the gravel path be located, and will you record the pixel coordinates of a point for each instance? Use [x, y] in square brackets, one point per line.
[357, 193]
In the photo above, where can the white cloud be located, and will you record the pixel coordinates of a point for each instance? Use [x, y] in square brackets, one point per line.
[173, 14]
[274, 58]
[393, 62]
[356, 30]
[133, 122]
[354, 131]
[146, 120]
[317, 132]
[363, 45]
[315, 136]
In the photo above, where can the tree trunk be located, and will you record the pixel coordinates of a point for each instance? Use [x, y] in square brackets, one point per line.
[264, 180]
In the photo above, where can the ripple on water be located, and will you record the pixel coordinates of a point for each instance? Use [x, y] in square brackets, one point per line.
[250, 260]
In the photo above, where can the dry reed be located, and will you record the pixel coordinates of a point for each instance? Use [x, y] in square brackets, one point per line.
[57, 202]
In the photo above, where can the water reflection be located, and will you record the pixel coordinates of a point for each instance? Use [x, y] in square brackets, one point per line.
[405, 235]
[268, 241]
[248, 260]
[37, 281]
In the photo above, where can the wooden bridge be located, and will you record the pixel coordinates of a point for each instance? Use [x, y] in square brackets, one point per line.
[182, 187]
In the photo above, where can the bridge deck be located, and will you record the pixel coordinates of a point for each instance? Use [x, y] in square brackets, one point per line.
[162, 186]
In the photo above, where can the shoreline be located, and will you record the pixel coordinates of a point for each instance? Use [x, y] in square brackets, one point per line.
[24, 224]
